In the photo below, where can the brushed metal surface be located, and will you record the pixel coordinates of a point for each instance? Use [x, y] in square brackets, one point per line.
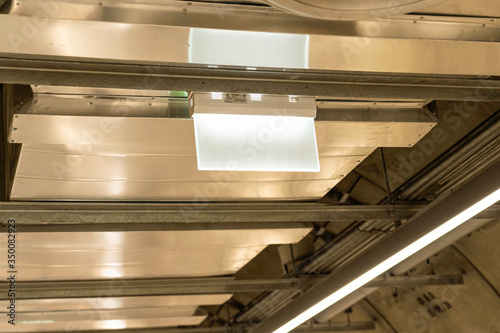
[149, 44]
[352, 9]
[167, 132]
[267, 19]
[96, 324]
[484, 8]
[109, 302]
[108, 312]
[87, 145]
[128, 255]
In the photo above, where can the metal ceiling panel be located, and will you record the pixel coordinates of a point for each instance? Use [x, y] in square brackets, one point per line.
[110, 303]
[128, 255]
[75, 314]
[117, 144]
[95, 324]
[154, 44]
[130, 131]
[262, 18]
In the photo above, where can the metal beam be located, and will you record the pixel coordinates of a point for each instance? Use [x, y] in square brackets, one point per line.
[191, 286]
[61, 217]
[162, 77]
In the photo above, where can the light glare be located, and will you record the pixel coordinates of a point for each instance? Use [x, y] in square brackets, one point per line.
[256, 97]
[392, 261]
[227, 142]
[217, 95]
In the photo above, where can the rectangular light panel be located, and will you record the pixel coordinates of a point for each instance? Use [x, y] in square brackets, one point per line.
[255, 143]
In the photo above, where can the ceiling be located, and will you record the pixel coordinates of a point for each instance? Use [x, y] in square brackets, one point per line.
[117, 229]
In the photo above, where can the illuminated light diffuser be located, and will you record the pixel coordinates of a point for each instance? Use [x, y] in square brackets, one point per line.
[244, 48]
[421, 231]
[253, 132]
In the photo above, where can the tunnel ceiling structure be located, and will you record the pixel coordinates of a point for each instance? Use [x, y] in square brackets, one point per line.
[118, 228]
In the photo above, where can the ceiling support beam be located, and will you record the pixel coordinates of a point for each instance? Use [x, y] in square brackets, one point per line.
[156, 287]
[162, 77]
[91, 217]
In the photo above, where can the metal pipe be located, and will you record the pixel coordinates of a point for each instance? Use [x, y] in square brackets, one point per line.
[469, 144]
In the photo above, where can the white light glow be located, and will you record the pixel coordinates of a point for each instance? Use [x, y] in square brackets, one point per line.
[217, 95]
[114, 324]
[256, 97]
[226, 142]
[391, 261]
[251, 49]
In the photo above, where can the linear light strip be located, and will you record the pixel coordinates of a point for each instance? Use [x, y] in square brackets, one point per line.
[392, 261]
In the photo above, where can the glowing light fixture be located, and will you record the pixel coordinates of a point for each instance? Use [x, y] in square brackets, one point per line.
[421, 231]
[254, 132]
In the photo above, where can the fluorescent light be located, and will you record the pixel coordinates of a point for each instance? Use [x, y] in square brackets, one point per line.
[227, 142]
[392, 261]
